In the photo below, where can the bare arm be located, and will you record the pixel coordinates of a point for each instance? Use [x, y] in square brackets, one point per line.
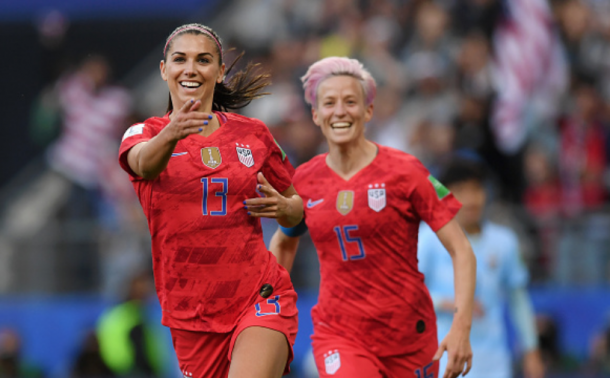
[457, 341]
[149, 159]
[284, 248]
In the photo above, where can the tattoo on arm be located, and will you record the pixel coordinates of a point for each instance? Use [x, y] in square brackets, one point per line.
[455, 310]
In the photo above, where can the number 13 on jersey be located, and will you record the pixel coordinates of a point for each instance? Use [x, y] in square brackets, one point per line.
[223, 194]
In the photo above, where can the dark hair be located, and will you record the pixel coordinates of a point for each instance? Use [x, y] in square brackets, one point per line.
[462, 169]
[240, 89]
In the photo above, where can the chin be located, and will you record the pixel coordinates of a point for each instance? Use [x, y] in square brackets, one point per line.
[341, 141]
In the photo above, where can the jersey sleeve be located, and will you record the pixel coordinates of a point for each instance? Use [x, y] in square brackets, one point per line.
[433, 202]
[137, 133]
[277, 169]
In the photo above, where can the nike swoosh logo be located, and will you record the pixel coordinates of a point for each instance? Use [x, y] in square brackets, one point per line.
[179, 154]
[311, 203]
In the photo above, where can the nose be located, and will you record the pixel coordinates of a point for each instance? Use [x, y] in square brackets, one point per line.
[340, 109]
[189, 68]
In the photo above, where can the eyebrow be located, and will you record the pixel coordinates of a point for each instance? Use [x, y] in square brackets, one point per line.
[200, 54]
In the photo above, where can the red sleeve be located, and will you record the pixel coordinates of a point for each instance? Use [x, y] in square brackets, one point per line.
[432, 200]
[137, 133]
[277, 169]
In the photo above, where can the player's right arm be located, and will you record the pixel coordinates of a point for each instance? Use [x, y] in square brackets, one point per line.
[148, 159]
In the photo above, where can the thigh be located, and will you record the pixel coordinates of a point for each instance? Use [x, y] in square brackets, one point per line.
[341, 358]
[259, 353]
[202, 354]
[268, 330]
[418, 364]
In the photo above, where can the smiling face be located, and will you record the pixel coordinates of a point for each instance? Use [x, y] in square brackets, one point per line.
[192, 69]
[340, 110]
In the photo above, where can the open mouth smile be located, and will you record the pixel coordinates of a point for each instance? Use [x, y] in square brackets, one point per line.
[190, 84]
[341, 125]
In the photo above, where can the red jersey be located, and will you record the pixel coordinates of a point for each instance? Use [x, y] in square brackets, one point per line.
[209, 258]
[365, 231]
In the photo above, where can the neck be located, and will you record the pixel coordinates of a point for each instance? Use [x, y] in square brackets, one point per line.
[346, 160]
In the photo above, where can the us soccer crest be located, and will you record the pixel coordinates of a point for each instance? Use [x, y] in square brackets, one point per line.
[345, 201]
[332, 361]
[244, 153]
[210, 156]
[377, 197]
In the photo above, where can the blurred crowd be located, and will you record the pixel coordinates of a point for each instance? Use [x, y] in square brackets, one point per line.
[521, 85]
[524, 86]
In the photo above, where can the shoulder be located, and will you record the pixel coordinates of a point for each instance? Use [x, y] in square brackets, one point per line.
[406, 168]
[156, 122]
[249, 126]
[311, 167]
[406, 164]
[254, 123]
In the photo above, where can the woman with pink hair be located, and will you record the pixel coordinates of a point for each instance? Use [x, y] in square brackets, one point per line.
[364, 202]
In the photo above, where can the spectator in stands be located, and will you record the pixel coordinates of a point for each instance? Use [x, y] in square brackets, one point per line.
[94, 114]
[599, 358]
[548, 339]
[12, 364]
[128, 341]
[582, 158]
[89, 362]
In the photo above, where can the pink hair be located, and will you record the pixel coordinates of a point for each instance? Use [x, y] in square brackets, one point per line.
[337, 66]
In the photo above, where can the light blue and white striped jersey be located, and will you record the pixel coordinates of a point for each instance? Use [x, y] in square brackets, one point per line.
[499, 269]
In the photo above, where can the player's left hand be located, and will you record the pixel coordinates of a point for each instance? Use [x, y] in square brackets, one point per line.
[459, 352]
[533, 367]
[273, 204]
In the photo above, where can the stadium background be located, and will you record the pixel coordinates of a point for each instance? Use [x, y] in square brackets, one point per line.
[524, 85]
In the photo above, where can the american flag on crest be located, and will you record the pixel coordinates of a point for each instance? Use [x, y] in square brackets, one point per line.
[377, 197]
[245, 155]
[332, 361]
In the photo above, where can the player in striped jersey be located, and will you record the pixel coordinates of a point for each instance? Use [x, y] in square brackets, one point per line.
[364, 202]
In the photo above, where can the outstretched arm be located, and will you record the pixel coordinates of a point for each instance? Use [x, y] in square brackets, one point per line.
[457, 341]
[149, 159]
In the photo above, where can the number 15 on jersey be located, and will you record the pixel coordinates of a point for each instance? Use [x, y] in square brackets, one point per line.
[344, 236]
